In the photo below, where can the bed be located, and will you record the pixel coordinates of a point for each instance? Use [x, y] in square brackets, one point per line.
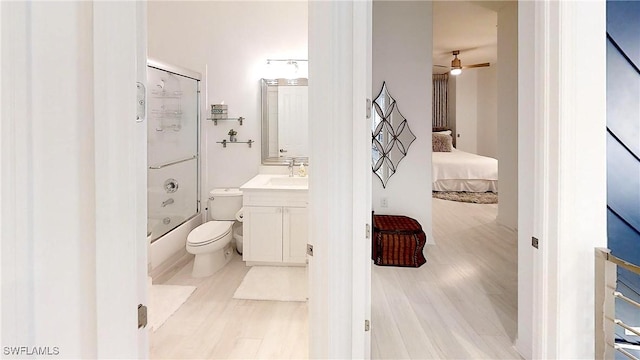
[456, 170]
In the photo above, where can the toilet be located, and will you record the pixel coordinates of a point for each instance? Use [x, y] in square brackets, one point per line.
[211, 242]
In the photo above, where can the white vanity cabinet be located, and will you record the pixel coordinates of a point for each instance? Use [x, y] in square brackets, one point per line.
[275, 227]
[262, 230]
[294, 236]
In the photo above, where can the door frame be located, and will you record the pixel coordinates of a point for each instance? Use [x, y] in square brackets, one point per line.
[339, 179]
[561, 137]
[336, 318]
[120, 178]
[576, 38]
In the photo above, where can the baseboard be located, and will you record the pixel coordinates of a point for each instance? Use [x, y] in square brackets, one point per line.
[170, 267]
[523, 349]
[272, 263]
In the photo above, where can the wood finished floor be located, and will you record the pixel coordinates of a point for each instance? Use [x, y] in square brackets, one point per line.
[461, 304]
[213, 325]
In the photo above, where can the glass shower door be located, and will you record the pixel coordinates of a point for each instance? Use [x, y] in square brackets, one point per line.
[172, 150]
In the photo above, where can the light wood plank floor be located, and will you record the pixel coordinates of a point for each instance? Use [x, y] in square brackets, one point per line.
[462, 304]
[213, 325]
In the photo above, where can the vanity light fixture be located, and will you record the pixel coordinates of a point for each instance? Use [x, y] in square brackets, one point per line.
[286, 68]
[288, 61]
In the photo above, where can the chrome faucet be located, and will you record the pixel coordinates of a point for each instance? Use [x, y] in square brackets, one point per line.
[167, 202]
[290, 166]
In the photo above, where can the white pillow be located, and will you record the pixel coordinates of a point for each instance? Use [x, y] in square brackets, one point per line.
[446, 132]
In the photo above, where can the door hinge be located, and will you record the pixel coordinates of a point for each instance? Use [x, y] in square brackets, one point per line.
[368, 231]
[368, 108]
[367, 325]
[534, 242]
[141, 103]
[142, 316]
[309, 249]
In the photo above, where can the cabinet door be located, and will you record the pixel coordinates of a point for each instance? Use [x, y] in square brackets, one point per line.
[262, 233]
[294, 240]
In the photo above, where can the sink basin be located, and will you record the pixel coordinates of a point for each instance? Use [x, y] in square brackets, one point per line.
[276, 182]
[288, 181]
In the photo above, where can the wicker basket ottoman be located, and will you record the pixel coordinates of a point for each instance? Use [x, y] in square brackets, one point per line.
[397, 241]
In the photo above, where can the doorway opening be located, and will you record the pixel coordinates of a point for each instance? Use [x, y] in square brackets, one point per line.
[466, 293]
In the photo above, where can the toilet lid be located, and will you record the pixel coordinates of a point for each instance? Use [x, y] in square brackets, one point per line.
[209, 232]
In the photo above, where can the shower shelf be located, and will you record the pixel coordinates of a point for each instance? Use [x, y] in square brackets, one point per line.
[166, 94]
[167, 113]
[215, 121]
[225, 142]
[174, 127]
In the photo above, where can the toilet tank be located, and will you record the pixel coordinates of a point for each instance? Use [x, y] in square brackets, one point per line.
[224, 203]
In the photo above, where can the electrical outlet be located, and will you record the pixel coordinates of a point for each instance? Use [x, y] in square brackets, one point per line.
[383, 202]
[309, 249]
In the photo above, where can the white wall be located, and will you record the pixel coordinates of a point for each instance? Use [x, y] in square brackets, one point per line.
[508, 115]
[475, 99]
[487, 129]
[402, 38]
[467, 111]
[581, 223]
[228, 42]
[560, 43]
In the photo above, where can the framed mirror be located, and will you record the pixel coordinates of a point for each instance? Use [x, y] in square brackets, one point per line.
[285, 119]
[390, 136]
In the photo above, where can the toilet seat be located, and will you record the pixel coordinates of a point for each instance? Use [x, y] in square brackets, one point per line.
[209, 232]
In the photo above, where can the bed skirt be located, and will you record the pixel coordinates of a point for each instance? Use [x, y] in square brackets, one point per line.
[466, 185]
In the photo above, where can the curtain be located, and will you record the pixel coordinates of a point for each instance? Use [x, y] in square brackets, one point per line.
[440, 100]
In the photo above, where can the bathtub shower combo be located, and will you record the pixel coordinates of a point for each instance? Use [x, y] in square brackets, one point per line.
[173, 158]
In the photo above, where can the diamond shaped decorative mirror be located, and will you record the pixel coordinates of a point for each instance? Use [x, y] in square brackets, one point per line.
[390, 136]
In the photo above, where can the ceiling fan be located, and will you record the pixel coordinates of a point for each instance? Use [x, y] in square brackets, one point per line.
[456, 65]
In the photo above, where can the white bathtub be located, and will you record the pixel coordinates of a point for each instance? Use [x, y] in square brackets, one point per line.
[172, 242]
[156, 228]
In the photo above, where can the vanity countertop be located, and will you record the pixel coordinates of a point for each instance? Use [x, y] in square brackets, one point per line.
[276, 182]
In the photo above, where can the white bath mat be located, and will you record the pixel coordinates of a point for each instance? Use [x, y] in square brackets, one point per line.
[280, 283]
[165, 300]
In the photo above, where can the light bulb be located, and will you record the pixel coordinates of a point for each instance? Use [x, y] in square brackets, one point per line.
[456, 71]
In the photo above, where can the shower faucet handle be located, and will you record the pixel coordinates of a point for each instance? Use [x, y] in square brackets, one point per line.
[167, 202]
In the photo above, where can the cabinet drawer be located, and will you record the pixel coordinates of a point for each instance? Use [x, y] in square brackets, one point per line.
[275, 198]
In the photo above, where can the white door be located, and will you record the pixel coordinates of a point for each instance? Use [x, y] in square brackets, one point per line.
[340, 186]
[140, 155]
[120, 177]
[362, 74]
[294, 238]
[262, 233]
[293, 120]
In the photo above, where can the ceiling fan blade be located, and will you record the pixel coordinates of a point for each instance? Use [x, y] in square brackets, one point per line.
[442, 66]
[476, 65]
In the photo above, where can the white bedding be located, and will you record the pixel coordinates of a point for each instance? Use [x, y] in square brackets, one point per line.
[462, 171]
